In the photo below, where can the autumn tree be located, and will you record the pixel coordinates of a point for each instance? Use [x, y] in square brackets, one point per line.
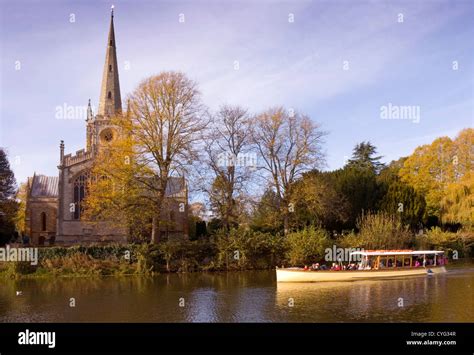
[159, 140]
[437, 169]
[231, 162]
[20, 218]
[457, 204]
[288, 144]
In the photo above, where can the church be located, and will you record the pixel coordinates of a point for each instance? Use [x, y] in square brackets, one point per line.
[53, 203]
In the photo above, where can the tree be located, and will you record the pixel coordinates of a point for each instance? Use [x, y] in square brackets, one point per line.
[7, 178]
[230, 161]
[288, 144]
[318, 202]
[159, 139]
[438, 171]
[8, 204]
[363, 157]
[359, 188]
[463, 159]
[398, 198]
[266, 216]
[457, 204]
[20, 217]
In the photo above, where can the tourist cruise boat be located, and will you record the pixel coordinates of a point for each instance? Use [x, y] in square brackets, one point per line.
[372, 264]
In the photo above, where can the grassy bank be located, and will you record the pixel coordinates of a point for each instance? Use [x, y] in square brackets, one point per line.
[238, 249]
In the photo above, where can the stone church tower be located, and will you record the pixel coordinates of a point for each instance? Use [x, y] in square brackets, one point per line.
[74, 170]
[54, 204]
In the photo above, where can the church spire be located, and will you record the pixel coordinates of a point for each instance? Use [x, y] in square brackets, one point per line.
[90, 115]
[110, 101]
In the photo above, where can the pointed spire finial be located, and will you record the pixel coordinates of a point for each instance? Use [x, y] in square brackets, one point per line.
[90, 115]
[110, 101]
[112, 10]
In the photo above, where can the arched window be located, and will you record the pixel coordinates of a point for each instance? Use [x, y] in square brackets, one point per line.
[109, 95]
[172, 219]
[111, 43]
[80, 187]
[110, 67]
[43, 221]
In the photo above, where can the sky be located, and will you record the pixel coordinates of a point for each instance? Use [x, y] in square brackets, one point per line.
[339, 62]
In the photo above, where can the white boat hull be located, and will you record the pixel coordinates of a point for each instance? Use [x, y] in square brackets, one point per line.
[295, 275]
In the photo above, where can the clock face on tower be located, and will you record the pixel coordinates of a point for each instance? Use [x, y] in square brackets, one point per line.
[107, 135]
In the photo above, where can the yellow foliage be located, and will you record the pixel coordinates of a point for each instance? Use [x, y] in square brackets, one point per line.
[442, 172]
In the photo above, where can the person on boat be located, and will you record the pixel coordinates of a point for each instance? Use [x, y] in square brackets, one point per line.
[315, 267]
[417, 263]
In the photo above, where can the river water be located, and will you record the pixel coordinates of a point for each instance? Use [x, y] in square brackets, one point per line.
[250, 296]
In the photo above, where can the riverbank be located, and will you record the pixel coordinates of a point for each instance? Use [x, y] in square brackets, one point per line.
[134, 260]
[239, 249]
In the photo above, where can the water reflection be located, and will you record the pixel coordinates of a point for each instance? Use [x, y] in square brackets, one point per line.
[239, 297]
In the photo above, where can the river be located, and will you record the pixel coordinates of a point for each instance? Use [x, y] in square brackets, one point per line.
[250, 296]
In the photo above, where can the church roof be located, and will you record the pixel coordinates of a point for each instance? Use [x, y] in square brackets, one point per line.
[44, 186]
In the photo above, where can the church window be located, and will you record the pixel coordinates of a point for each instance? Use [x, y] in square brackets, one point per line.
[80, 186]
[43, 221]
[109, 95]
[110, 67]
[111, 43]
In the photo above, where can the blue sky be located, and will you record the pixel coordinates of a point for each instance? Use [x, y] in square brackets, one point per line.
[296, 64]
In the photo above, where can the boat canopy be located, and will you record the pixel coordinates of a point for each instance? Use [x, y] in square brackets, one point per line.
[396, 252]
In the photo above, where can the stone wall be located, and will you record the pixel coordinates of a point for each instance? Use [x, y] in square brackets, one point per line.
[36, 207]
[72, 231]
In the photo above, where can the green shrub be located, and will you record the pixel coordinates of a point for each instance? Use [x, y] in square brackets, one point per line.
[246, 249]
[462, 242]
[15, 269]
[383, 231]
[307, 245]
